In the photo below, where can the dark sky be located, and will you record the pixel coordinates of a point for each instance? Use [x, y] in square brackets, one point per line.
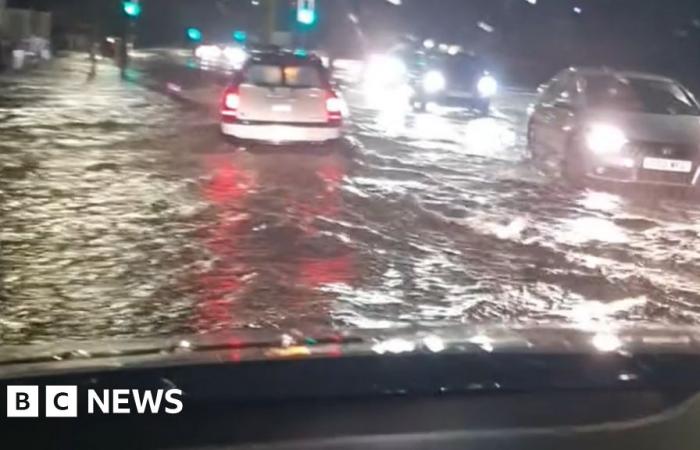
[656, 34]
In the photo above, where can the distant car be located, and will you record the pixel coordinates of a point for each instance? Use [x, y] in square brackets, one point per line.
[219, 56]
[453, 80]
[618, 126]
[282, 97]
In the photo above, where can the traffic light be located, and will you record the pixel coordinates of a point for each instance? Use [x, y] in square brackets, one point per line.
[240, 36]
[132, 8]
[306, 12]
[194, 34]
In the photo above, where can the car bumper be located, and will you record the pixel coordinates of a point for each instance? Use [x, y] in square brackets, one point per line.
[281, 133]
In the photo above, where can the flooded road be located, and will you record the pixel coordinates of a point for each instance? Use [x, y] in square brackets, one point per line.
[123, 214]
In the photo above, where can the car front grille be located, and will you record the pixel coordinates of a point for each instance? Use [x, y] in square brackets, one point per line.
[660, 150]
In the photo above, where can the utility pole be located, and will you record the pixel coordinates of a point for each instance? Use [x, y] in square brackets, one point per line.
[271, 20]
[132, 10]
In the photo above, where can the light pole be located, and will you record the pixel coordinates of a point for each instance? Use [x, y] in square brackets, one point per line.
[271, 20]
[132, 10]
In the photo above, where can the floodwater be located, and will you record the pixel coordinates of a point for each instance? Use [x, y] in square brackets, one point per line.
[123, 214]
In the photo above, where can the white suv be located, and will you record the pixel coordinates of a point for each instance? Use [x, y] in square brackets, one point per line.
[282, 97]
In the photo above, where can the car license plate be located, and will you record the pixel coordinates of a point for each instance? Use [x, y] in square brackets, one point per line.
[282, 108]
[668, 165]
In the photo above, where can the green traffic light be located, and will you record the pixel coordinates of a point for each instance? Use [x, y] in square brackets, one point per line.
[306, 16]
[194, 34]
[132, 8]
[240, 36]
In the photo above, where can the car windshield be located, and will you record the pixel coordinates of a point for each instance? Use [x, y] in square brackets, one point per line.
[295, 76]
[639, 95]
[458, 66]
[221, 170]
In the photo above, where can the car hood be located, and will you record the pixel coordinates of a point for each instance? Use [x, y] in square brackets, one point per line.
[656, 128]
[237, 347]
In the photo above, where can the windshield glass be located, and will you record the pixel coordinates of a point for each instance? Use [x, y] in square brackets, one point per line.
[180, 169]
[639, 95]
[264, 75]
[457, 67]
[290, 76]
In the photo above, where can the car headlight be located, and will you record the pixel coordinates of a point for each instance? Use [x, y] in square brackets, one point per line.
[434, 81]
[604, 139]
[487, 86]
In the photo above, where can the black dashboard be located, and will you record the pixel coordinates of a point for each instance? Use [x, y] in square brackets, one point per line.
[417, 401]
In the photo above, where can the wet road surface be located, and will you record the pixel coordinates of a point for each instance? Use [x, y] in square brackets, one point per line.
[123, 214]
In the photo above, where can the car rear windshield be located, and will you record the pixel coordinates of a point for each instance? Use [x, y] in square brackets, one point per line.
[276, 75]
[639, 95]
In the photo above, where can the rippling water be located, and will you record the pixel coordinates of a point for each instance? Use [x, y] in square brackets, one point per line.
[123, 214]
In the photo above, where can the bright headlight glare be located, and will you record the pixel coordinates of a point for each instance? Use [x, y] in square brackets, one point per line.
[236, 56]
[385, 69]
[208, 52]
[605, 139]
[487, 86]
[434, 81]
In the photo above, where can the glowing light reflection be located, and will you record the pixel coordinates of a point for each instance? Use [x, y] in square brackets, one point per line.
[434, 343]
[589, 229]
[483, 341]
[488, 136]
[605, 342]
[394, 346]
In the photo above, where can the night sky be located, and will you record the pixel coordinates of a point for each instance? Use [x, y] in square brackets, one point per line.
[646, 34]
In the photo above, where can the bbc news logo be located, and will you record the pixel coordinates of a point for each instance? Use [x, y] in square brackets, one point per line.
[63, 401]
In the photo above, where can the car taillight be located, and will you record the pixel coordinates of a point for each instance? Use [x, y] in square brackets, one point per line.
[230, 103]
[334, 108]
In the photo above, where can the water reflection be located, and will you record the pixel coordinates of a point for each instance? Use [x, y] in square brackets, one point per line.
[606, 342]
[586, 229]
[227, 191]
[124, 215]
[270, 246]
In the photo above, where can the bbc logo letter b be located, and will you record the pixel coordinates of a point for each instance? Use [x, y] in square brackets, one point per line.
[22, 401]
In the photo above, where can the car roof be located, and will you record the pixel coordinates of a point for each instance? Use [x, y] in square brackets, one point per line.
[602, 71]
